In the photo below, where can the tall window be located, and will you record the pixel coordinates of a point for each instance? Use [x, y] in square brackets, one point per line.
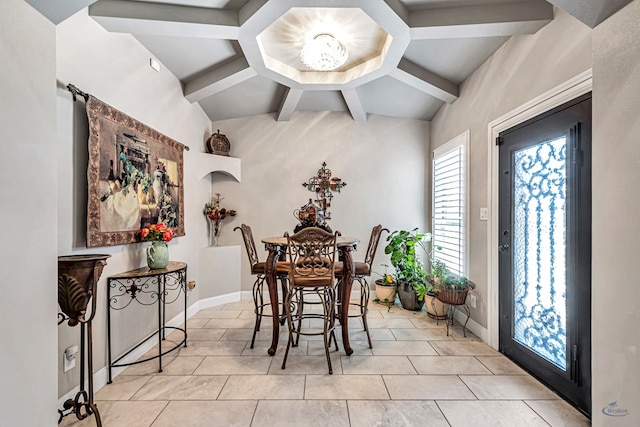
[450, 203]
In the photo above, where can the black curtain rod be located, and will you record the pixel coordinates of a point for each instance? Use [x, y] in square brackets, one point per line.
[75, 91]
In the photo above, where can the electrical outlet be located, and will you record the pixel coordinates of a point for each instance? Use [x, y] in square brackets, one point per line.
[69, 358]
[484, 214]
[69, 364]
[472, 301]
[191, 284]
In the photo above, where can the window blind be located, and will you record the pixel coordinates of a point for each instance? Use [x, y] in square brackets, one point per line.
[449, 206]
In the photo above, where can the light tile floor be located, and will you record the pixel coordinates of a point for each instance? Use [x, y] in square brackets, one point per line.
[413, 376]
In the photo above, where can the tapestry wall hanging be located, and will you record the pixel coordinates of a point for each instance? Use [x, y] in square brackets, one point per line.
[135, 178]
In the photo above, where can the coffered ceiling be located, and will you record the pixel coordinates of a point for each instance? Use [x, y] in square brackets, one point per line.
[240, 58]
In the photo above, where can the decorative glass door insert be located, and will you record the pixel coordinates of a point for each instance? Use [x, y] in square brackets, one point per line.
[539, 247]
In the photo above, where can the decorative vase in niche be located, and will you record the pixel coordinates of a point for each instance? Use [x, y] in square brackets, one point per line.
[218, 144]
[215, 228]
[157, 255]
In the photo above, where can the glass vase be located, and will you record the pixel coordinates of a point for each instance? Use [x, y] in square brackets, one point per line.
[215, 227]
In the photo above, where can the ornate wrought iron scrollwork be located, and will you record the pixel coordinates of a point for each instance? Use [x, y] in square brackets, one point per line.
[147, 287]
[77, 281]
[539, 246]
[73, 298]
[317, 215]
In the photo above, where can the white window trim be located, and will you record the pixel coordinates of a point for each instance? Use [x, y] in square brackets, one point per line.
[461, 140]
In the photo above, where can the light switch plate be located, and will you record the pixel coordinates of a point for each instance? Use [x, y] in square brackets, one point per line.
[484, 214]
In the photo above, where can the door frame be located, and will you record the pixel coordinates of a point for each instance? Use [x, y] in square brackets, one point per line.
[565, 92]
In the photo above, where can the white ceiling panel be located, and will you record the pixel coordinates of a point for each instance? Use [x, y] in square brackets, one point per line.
[322, 100]
[195, 54]
[389, 97]
[214, 4]
[257, 95]
[453, 59]
[432, 4]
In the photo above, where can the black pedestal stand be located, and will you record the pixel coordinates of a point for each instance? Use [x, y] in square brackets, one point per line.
[77, 280]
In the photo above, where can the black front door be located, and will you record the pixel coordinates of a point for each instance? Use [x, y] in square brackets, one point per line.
[545, 248]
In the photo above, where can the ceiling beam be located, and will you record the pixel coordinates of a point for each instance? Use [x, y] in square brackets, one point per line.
[425, 81]
[353, 103]
[289, 104]
[250, 9]
[590, 12]
[165, 19]
[399, 9]
[216, 81]
[487, 20]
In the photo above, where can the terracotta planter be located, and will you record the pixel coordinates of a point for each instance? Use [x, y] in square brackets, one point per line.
[385, 292]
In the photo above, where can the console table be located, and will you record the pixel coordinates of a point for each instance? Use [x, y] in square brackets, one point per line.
[147, 287]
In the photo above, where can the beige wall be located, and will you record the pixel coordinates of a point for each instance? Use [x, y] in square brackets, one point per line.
[382, 161]
[616, 224]
[523, 68]
[384, 153]
[28, 262]
[115, 68]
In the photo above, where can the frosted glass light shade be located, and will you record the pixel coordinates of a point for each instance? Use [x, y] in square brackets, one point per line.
[324, 53]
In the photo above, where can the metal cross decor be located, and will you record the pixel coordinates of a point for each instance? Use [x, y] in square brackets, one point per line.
[324, 185]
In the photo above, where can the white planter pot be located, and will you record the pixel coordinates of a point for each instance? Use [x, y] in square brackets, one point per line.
[386, 292]
[436, 308]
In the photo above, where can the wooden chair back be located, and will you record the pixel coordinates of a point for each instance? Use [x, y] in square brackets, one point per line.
[312, 255]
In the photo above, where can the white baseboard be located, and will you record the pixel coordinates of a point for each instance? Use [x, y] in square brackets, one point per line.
[219, 300]
[478, 330]
[100, 377]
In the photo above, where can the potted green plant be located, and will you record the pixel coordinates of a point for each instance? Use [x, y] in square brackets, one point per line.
[386, 288]
[448, 287]
[436, 309]
[410, 274]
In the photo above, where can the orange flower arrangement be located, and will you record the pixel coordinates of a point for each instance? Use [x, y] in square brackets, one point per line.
[157, 233]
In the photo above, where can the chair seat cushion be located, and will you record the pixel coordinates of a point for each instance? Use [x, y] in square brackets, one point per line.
[360, 269]
[312, 282]
[261, 268]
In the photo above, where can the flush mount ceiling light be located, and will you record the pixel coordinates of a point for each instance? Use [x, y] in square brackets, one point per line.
[324, 53]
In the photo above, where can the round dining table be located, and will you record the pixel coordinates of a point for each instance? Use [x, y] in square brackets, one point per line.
[276, 247]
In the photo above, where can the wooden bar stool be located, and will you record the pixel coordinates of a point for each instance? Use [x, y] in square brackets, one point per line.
[259, 269]
[312, 254]
[362, 271]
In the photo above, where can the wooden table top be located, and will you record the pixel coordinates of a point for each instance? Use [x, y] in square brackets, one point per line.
[146, 271]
